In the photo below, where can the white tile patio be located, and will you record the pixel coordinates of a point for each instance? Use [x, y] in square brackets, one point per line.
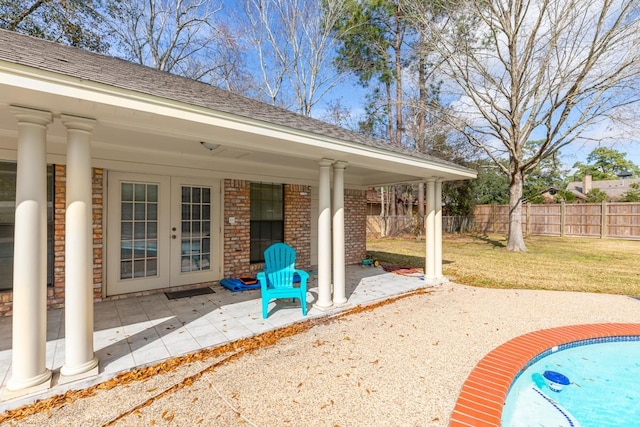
[140, 331]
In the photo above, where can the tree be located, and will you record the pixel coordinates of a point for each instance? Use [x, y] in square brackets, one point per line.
[491, 186]
[373, 36]
[606, 163]
[550, 69]
[177, 36]
[294, 45]
[596, 196]
[547, 174]
[633, 194]
[72, 22]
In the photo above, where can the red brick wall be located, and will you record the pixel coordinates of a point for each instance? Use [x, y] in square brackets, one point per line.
[297, 226]
[355, 225]
[297, 222]
[237, 249]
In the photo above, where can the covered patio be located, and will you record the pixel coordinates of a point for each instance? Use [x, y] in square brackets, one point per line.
[141, 331]
[124, 181]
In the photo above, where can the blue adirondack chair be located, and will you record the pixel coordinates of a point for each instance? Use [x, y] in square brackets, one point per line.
[276, 281]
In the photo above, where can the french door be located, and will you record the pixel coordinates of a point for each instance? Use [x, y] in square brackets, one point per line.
[161, 231]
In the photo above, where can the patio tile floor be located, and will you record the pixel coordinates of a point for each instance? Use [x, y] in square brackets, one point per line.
[139, 331]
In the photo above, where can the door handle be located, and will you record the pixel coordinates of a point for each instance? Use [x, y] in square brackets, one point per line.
[173, 236]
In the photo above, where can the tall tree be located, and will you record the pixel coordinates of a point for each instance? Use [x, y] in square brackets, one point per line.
[550, 69]
[72, 22]
[372, 36]
[373, 47]
[606, 163]
[177, 36]
[294, 45]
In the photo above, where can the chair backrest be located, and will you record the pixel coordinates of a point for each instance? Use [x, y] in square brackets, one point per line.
[280, 264]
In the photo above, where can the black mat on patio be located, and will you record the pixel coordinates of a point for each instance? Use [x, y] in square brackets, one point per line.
[189, 293]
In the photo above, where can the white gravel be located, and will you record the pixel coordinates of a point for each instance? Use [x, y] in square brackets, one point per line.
[401, 364]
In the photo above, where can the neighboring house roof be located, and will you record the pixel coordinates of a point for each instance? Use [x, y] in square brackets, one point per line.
[614, 188]
[91, 67]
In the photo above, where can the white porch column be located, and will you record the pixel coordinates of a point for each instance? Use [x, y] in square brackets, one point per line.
[438, 230]
[430, 261]
[80, 360]
[29, 370]
[339, 292]
[324, 236]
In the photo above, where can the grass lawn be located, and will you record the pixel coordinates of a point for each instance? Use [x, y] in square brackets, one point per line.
[555, 263]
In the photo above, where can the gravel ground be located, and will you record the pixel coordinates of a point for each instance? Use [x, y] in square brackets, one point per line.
[400, 364]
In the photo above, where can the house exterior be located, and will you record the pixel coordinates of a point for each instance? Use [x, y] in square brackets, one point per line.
[613, 188]
[119, 180]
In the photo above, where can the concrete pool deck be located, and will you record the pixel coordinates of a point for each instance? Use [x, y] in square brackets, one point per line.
[399, 364]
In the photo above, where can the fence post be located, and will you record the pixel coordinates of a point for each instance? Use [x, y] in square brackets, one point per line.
[562, 217]
[603, 219]
[527, 219]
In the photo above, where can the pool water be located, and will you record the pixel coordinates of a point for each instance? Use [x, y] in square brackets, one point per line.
[604, 389]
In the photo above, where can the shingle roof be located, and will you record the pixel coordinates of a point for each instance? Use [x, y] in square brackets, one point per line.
[74, 62]
[614, 188]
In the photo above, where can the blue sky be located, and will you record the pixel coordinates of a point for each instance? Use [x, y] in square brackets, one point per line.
[352, 95]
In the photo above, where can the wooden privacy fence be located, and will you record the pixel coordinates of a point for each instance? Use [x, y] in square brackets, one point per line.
[402, 225]
[618, 220]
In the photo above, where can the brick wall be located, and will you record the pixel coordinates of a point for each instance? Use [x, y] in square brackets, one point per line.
[237, 249]
[55, 293]
[237, 246]
[355, 225]
[297, 222]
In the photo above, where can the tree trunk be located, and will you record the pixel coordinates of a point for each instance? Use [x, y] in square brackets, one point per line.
[421, 209]
[515, 243]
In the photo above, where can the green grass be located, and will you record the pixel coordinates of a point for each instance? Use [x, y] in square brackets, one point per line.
[554, 263]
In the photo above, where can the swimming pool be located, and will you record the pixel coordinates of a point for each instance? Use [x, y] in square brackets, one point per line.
[602, 387]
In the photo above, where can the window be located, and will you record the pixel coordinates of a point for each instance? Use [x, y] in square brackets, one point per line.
[7, 222]
[267, 218]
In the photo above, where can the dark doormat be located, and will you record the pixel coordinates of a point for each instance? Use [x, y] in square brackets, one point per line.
[189, 293]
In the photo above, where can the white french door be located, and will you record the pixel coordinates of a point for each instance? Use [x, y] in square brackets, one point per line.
[161, 231]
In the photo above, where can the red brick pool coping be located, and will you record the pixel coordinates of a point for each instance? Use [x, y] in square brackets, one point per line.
[483, 394]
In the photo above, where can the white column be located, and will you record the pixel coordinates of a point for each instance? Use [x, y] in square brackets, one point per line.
[430, 264]
[438, 230]
[29, 371]
[339, 292]
[79, 357]
[324, 236]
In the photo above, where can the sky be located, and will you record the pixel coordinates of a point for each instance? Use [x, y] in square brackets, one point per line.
[352, 95]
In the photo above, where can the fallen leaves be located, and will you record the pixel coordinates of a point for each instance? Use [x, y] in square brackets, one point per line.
[228, 352]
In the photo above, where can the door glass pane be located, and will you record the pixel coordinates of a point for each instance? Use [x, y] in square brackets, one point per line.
[126, 230]
[152, 194]
[127, 211]
[152, 211]
[152, 230]
[196, 223]
[139, 230]
[127, 192]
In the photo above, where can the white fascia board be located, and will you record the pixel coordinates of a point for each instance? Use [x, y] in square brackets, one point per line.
[47, 82]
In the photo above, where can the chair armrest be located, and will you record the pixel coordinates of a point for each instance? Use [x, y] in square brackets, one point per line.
[304, 276]
[262, 278]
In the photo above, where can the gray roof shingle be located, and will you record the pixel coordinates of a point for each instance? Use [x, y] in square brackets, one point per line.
[74, 62]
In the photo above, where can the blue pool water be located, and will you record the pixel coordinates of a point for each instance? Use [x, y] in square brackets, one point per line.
[604, 389]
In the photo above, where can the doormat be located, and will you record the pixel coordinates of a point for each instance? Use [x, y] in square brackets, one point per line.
[189, 293]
